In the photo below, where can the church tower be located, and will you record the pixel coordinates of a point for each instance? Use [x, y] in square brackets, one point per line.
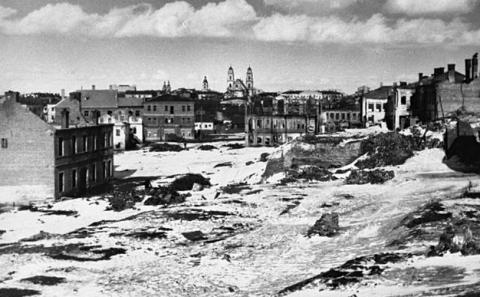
[205, 84]
[231, 78]
[249, 80]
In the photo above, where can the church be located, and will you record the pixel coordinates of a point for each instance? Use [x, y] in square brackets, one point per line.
[236, 88]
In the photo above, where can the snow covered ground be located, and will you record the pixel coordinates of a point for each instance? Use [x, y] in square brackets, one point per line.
[255, 239]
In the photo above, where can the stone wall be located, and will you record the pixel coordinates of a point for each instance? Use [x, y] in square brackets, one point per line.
[28, 158]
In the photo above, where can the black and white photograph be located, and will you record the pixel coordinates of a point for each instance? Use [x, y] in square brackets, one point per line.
[239, 148]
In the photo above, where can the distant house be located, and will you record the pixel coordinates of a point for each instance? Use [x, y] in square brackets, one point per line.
[374, 104]
[168, 116]
[42, 160]
[398, 112]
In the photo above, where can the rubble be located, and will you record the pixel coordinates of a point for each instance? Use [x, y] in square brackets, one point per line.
[88, 253]
[165, 147]
[186, 182]
[264, 157]
[235, 188]
[164, 196]
[194, 235]
[327, 225]
[14, 292]
[234, 146]
[44, 280]
[207, 147]
[225, 164]
[121, 200]
[377, 176]
[431, 212]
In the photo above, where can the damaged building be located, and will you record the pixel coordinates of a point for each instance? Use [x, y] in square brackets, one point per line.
[52, 160]
[446, 93]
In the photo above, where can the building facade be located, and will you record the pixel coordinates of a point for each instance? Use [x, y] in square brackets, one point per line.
[46, 160]
[374, 105]
[168, 116]
[237, 88]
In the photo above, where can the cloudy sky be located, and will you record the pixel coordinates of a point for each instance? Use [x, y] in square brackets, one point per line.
[47, 45]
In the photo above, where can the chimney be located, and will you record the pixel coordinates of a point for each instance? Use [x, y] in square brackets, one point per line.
[395, 84]
[420, 76]
[468, 69]
[110, 87]
[474, 73]
[403, 84]
[62, 93]
[438, 71]
[93, 87]
[65, 118]
[451, 67]
[381, 84]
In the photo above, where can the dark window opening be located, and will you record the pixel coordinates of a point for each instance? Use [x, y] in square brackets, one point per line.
[74, 178]
[60, 182]
[4, 143]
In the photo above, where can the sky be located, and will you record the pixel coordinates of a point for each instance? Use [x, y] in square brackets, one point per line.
[49, 45]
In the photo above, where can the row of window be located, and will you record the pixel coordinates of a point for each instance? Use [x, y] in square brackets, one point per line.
[87, 113]
[342, 116]
[82, 145]
[280, 124]
[377, 107]
[89, 177]
[170, 109]
[168, 120]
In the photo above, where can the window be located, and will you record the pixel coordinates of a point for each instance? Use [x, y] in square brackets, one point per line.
[61, 182]
[188, 107]
[4, 143]
[332, 116]
[117, 131]
[403, 100]
[172, 110]
[370, 107]
[137, 113]
[95, 142]
[379, 107]
[166, 108]
[85, 143]
[74, 144]
[74, 178]
[110, 140]
[259, 123]
[154, 108]
[105, 140]
[343, 116]
[149, 108]
[94, 172]
[183, 108]
[337, 116]
[85, 113]
[134, 130]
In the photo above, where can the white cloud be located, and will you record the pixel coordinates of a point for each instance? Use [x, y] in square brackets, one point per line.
[319, 4]
[160, 75]
[238, 19]
[376, 30]
[422, 7]
[174, 19]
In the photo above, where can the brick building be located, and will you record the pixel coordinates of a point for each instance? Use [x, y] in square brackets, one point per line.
[49, 161]
[168, 116]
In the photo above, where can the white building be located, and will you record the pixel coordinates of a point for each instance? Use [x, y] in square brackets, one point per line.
[374, 105]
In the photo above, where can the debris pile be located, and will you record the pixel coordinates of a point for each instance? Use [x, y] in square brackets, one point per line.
[206, 147]
[264, 157]
[377, 176]
[186, 182]
[234, 146]
[164, 196]
[455, 239]
[121, 200]
[165, 147]
[327, 225]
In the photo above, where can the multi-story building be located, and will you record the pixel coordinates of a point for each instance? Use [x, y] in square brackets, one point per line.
[237, 88]
[41, 160]
[374, 104]
[168, 116]
[398, 106]
[338, 119]
[444, 93]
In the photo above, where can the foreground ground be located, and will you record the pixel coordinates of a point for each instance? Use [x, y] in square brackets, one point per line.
[253, 237]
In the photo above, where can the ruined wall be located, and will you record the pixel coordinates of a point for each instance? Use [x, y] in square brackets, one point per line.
[27, 156]
[452, 96]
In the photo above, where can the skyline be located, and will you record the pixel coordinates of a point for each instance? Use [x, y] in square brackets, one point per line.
[304, 44]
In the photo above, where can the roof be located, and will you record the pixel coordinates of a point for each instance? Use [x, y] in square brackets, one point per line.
[99, 98]
[169, 98]
[130, 102]
[381, 93]
[292, 92]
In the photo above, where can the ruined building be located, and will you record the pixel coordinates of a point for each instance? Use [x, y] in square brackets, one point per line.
[41, 160]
